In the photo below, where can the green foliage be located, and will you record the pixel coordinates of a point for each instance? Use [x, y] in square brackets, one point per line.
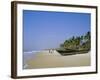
[78, 42]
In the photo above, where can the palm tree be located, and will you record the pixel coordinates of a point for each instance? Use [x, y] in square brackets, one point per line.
[78, 42]
[87, 36]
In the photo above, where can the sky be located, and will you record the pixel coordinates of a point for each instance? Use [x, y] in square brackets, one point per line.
[46, 29]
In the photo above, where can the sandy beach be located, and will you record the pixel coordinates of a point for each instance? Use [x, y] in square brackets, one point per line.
[44, 59]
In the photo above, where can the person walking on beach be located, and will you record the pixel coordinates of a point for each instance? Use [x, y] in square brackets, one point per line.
[50, 51]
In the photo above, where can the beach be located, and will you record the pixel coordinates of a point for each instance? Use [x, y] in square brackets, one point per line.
[45, 59]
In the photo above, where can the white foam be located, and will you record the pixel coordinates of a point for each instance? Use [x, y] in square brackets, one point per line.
[32, 52]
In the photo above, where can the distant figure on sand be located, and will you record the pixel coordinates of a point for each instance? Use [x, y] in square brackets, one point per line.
[51, 51]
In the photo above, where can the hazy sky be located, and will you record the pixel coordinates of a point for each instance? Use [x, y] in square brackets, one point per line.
[44, 29]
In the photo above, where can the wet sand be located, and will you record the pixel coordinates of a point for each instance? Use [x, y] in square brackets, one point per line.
[44, 59]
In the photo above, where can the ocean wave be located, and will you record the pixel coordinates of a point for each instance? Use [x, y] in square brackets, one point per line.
[30, 52]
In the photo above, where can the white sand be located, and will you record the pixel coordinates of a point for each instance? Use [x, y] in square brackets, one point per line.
[44, 59]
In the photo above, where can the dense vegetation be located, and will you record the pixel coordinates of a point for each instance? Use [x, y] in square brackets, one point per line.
[78, 44]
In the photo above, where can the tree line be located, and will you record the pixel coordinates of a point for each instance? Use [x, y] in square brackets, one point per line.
[82, 42]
